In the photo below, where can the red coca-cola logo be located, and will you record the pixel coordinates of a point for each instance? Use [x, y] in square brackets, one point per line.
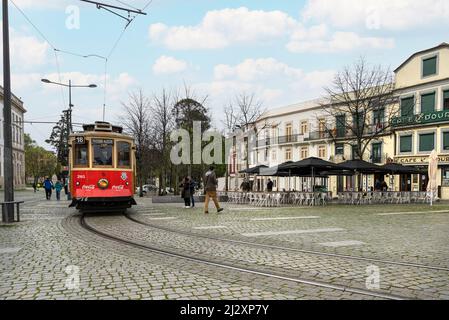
[88, 187]
[118, 188]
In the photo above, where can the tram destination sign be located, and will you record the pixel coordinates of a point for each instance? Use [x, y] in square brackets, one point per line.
[418, 119]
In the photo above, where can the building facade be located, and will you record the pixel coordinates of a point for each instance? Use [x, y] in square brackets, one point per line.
[17, 118]
[418, 124]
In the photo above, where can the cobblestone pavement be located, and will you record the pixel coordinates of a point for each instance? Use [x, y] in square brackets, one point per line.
[42, 255]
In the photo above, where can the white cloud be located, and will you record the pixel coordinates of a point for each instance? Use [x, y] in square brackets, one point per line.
[252, 69]
[221, 28]
[273, 82]
[168, 65]
[26, 51]
[319, 41]
[378, 14]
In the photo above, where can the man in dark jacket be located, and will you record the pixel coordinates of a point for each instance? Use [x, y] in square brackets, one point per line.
[48, 185]
[210, 189]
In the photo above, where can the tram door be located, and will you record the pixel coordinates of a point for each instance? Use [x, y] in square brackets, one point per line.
[406, 182]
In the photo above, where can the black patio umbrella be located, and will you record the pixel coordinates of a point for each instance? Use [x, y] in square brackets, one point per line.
[313, 166]
[396, 168]
[254, 170]
[362, 166]
[276, 171]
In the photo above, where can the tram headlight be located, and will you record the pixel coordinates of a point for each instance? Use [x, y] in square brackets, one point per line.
[77, 183]
[103, 183]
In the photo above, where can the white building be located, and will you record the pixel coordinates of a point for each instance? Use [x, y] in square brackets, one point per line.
[17, 117]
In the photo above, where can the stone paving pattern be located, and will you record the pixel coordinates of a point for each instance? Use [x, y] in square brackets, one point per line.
[36, 252]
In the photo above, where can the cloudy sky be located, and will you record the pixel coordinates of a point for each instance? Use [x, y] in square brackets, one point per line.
[284, 51]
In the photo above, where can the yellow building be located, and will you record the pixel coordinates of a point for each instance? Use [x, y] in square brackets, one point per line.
[422, 86]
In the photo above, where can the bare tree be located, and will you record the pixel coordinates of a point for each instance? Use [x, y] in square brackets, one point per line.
[244, 113]
[137, 122]
[364, 93]
[162, 124]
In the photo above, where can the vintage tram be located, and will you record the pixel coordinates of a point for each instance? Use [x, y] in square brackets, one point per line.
[102, 168]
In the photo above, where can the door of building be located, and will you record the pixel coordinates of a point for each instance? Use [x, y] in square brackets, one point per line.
[423, 182]
[405, 182]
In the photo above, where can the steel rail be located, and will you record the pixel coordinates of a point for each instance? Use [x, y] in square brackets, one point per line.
[320, 284]
[319, 253]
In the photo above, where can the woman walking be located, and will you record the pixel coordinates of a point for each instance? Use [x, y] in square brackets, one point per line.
[185, 194]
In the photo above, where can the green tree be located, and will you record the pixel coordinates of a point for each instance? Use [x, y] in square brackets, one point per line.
[38, 161]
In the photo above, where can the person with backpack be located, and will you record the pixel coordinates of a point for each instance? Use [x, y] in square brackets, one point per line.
[48, 186]
[210, 188]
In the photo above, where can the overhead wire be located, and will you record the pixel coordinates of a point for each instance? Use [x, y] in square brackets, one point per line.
[106, 59]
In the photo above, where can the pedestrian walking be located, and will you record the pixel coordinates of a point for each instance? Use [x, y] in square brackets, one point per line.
[192, 191]
[58, 188]
[48, 186]
[185, 194]
[34, 186]
[210, 188]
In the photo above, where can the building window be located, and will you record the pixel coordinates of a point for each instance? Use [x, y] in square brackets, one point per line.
[378, 117]
[429, 66]
[446, 141]
[426, 142]
[405, 144]
[288, 154]
[376, 152]
[322, 128]
[407, 106]
[289, 132]
[304, 127]
[446, 100]
[428, 102]
[304, 152]
[354, 152]
[339, 149]
[273, 155]
[341, 125]
[357, 122]
[322, 152]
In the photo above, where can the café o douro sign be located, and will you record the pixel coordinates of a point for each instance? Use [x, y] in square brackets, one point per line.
[422, 118]
[420, 160]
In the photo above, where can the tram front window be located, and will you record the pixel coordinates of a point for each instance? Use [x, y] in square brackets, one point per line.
[102, 149]
[81, 155]
[123, 154]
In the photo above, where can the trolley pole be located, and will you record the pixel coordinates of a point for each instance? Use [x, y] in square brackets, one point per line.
[8, 214]
[69, 131]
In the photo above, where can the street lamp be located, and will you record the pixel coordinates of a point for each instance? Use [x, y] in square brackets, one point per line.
[69, 117]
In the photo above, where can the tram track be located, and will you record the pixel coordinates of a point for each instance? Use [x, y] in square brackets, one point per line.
[316, 283]
[267, 246]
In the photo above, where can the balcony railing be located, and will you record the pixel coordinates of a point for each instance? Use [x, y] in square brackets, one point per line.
[317, 135]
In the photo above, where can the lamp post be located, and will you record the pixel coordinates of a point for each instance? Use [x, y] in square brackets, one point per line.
[69, 120]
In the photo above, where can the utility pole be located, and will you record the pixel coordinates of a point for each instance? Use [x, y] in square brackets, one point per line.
[8, 215]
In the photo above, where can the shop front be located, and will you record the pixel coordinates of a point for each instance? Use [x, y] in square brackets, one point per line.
[418, 182]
